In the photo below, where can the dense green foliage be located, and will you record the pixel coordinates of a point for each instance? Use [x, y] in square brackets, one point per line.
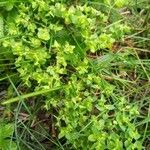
[70, 48]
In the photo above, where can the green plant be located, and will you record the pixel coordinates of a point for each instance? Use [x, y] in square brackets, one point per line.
[6, 133]
[58, 45]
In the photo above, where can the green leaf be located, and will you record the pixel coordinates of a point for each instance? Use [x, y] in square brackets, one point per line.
[91, 138]
[21, 97]
[9, 6]
[6, 131]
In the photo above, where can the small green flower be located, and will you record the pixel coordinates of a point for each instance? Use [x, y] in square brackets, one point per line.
[43, 34]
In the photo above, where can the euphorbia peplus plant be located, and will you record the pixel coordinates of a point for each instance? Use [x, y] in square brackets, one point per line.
[51, 42]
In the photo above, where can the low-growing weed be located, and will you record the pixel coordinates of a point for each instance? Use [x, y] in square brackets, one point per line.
[82, 60]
